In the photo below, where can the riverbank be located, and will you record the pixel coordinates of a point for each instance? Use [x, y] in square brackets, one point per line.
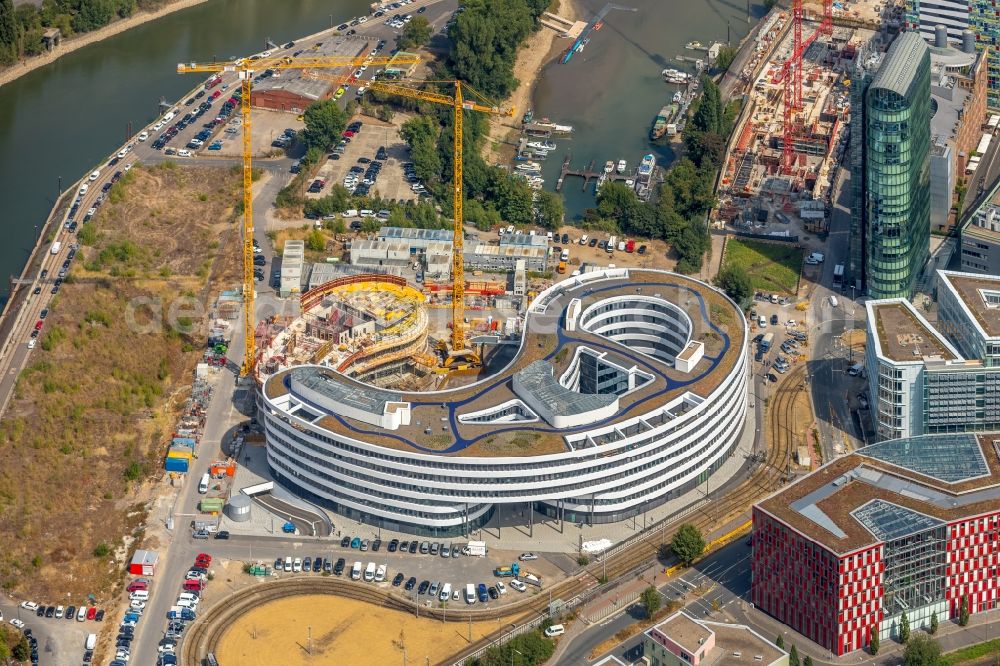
[539, 49]
[73, 43]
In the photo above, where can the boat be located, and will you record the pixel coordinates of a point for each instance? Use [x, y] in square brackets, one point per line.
[662, 120]
[598, 25]
[521, 158]
[600, 181]
[526, 118]
[621, 166]
[693, 46]
[629, 182]
[609, 166]
[646, 168]
[675, 76]
[541, 145]
[678, 97]
[529, 166]
[554, 127]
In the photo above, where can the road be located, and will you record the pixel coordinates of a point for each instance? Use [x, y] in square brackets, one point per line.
[223, 413]
[707, 590]
[833, 390]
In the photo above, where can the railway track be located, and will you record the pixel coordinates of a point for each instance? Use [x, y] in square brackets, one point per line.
[203, 636]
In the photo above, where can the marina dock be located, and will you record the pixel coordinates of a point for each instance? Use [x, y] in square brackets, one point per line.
[589, 174]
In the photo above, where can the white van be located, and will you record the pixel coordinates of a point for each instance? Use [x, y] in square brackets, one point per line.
[187, 603]
[583, 239]
[833, 301]
[856, 370]
[445, 592]
[380, 573]
[356, 571]
[91, 641]
[187, 596]
[470, 594]
[203, 485]
[139, 595]
[350, 212]
[564, 256]
[370, 572]
[555, 630]
[288, 564]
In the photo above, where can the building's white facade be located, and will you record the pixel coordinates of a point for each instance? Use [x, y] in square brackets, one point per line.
[958, 391]
[609, 471]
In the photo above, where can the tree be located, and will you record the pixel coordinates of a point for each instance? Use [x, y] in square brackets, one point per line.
[650, 601]
[873, 643]
[416, 33]
[325, 122]
[780, 642]
[727, 54]
[550, 209]
[9, 33]
[808, 661]
[21, 650]
[735, 281]
[963, 611]
[922, 650]
[934, 624]
[316, 241]
[904, 628]
[793, 656]
[688, 544]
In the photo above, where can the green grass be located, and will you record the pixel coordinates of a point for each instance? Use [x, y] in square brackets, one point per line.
[973, 652]
[772, 267]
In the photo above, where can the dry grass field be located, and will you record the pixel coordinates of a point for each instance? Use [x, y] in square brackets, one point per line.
[343, 631]
[92, 412]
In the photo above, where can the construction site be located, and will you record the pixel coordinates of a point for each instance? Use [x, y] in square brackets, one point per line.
[382, 330]
[793, 129]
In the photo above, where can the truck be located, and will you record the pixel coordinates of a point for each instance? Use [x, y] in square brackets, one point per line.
[475, 549]
[179, 613]
[630, 246]
[56, 246]
[838, 274]
[766, 342]
[612, 242]
[288, 528]
[512, 571]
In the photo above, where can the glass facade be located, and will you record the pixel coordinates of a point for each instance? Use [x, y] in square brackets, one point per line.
[985, 24]
[914, 579]
[897, 170]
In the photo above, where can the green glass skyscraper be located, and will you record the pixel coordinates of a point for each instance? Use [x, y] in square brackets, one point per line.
[897, 169]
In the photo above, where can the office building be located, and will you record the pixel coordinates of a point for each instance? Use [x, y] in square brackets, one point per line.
[925, 379]
[897, 169]
[644, 400]
[907, 526]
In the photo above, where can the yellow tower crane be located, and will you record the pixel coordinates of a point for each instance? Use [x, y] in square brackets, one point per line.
[246, 69]
[459, 356]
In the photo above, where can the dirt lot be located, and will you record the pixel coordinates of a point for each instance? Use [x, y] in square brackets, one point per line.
[90, 415]
[267, 126]
[343, 632]
[374, 133]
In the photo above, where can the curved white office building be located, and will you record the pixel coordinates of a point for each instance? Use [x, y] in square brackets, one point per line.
[628, 388]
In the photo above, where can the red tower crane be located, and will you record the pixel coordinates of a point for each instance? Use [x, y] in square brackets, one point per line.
[791, 75]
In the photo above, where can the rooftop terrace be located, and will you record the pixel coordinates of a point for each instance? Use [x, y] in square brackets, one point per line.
[903, 335]
[434, 425]
[980, 294]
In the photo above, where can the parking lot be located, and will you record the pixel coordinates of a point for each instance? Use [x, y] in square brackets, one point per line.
[422, 574]
[391, 183]
[267, 127]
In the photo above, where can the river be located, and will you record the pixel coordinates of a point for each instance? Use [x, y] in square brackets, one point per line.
[65, 118]
[611, 91]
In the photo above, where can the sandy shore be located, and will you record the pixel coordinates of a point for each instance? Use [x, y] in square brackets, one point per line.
[534, 54]
[78, 42]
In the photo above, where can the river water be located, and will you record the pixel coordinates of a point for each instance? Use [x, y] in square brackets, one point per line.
[611, 91]
[65, 118]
